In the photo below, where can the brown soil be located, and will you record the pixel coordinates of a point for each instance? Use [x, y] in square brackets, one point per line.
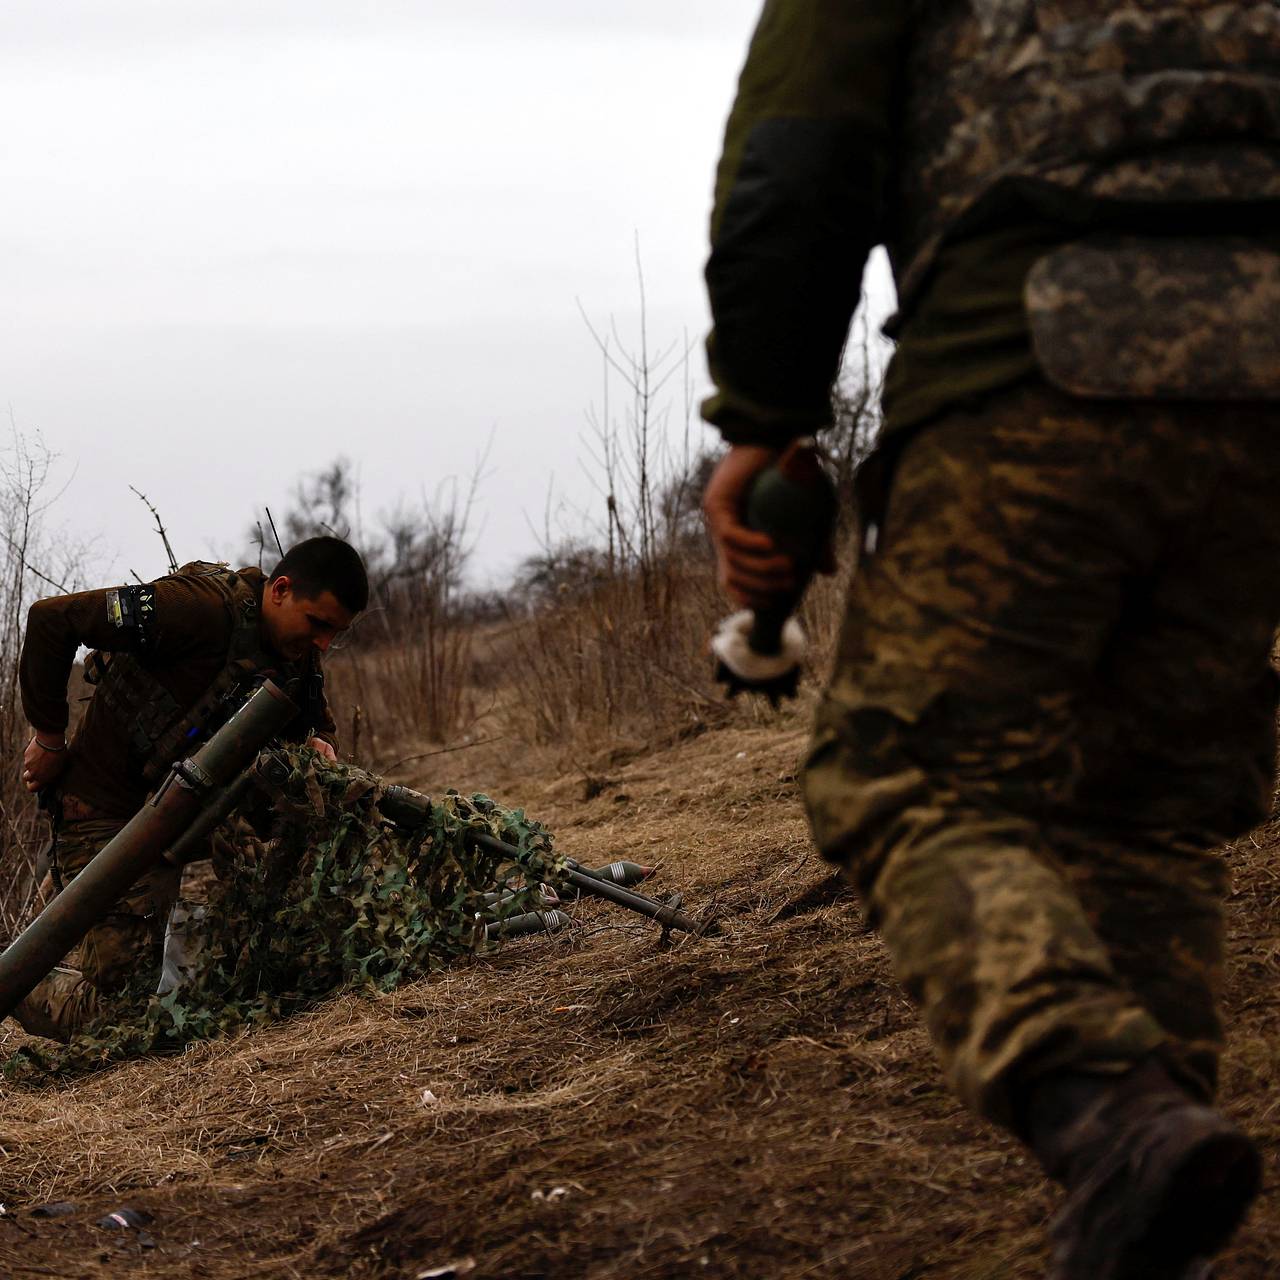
[762, 1103]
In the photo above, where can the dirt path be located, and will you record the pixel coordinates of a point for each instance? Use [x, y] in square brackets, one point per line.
[760, 1104]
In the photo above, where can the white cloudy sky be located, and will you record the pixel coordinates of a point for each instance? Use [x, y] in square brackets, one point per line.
[241, 237]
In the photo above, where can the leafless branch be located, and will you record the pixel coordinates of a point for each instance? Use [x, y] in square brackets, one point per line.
[164, 537]
[275, 534]
[31, 569]
[442, 751]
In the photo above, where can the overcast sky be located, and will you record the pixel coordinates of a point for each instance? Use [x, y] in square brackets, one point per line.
[241, 237]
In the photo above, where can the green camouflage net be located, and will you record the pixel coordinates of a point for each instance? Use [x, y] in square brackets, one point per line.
[336, 898]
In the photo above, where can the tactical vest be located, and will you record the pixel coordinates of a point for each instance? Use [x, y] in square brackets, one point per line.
[1068, 103]
[160, 731]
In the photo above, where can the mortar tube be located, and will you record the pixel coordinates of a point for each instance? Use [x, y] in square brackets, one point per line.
[188, 846]
[153, 829]
[404, 807]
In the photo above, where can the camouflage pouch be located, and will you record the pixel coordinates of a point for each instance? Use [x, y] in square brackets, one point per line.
[1158, 319]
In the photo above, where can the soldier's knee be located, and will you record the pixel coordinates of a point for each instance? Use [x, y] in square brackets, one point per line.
[121, 948]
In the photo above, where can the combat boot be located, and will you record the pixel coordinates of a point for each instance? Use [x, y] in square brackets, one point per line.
[1156, 1182]
[60, 1004]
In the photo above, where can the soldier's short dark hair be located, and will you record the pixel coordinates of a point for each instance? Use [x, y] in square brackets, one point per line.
[316, 565]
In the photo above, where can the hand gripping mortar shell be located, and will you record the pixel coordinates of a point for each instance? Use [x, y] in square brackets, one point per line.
[794, 502]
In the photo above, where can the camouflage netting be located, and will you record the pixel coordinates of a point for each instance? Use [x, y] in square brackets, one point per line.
[336, 898]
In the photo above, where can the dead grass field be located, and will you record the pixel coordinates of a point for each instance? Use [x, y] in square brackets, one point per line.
[758, 1104]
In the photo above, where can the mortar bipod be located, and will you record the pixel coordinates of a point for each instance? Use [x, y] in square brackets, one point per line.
[667, 914]
[409, 809]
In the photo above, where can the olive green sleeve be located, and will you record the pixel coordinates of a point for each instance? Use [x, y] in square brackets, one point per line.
[169, 621]
[55, 630]
[799, 203]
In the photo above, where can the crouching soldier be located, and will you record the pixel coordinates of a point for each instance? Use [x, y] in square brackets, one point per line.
[171, 658]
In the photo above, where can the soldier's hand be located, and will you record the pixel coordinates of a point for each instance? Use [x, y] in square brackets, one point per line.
[751, 570]
[323, 748]
[44, 760]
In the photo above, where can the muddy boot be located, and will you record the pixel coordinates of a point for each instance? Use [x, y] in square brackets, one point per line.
[1156, 1182]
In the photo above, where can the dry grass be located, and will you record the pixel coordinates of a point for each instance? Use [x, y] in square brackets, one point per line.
[624, 655]
[617, 665]
[762, 1103]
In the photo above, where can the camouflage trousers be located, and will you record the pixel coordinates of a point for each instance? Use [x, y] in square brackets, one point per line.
[1052, 699]
[123, 950]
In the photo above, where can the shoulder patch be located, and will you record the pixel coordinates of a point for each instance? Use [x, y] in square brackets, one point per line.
[132, 611]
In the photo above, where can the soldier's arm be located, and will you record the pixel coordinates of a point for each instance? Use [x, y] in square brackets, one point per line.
[56, 628]
[165, 620]
[799, 204]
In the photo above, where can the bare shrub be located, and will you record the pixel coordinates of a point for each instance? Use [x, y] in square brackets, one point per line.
[425, 643]
[846, 445]
[322, 502]
[407, 669]
[616, 617]
[855, 428]
[601, 663]
[34, 562]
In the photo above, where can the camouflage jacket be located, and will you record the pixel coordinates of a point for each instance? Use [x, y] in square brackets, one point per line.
[940, 127]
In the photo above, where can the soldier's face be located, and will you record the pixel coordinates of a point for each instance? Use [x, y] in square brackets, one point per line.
[296, 624]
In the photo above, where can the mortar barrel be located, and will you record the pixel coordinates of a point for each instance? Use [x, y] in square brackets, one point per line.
[144, 839]
[404, 806]
[193, 844]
